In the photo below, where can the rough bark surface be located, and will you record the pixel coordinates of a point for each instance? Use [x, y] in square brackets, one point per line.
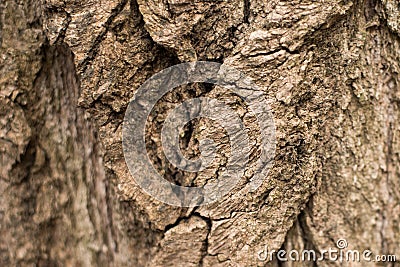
[329, 70]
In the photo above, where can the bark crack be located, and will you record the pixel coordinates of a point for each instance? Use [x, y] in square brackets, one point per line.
[206, 241]
[95, 47]
[286, 49]
[246, 11]
[61, 34]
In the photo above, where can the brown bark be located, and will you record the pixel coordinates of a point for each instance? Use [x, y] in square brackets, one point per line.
[329, 70]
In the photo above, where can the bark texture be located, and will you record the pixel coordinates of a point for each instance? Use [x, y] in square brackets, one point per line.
[330, 72]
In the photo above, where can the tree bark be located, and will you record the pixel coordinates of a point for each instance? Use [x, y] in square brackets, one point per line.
[329, 71]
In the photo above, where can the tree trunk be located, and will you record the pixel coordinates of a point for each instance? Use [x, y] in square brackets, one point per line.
[330, 74]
